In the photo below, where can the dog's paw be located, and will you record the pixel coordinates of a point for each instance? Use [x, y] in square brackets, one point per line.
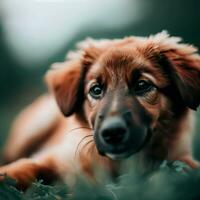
[194, 164]
[2, 176]
[22, 171]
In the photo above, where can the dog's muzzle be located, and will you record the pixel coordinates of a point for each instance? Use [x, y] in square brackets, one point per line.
[117, 139]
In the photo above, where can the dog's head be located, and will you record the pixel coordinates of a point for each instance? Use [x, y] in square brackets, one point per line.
[125, 87]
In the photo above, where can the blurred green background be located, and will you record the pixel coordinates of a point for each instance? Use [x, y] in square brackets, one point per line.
[36, 33]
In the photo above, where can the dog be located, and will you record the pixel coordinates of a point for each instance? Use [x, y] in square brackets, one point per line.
[133, 97]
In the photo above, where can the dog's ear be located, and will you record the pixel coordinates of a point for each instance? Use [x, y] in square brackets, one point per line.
[183, 63]
[64, 81]
[186, 76]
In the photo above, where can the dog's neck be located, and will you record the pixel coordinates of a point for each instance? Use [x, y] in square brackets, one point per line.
[171, 138]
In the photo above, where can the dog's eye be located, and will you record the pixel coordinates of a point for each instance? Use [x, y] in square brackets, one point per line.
[96, 91]
[142, 86]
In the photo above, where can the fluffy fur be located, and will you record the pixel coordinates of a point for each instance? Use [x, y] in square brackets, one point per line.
[45, 143]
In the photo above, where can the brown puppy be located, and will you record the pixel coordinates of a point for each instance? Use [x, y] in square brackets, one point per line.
[119, 97]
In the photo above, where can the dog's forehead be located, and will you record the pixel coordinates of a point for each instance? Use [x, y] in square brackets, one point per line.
[118, 62]
[126, 57]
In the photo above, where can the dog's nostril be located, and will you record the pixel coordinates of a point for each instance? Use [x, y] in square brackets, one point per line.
[114, 135]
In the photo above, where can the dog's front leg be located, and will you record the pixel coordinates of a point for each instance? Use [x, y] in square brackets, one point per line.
[24, 171]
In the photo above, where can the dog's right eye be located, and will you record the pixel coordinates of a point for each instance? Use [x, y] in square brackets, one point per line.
[96, 91]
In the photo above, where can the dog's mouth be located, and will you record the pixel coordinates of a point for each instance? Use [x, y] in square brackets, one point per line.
[122, 153]
[117, 156]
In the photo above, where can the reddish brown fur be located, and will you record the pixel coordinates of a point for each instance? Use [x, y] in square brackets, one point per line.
[68, 149]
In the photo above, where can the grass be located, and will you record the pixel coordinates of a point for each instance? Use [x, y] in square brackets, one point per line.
[169, 182]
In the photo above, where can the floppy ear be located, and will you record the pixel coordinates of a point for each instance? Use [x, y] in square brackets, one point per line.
[64, 81]
[184, 66]
[187, 78]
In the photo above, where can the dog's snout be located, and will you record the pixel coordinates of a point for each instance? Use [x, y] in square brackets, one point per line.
[113, 131]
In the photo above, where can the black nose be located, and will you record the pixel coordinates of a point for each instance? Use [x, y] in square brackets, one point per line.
[113, 131]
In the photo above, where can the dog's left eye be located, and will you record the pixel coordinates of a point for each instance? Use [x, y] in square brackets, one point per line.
[142, 86]
[96, 91]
